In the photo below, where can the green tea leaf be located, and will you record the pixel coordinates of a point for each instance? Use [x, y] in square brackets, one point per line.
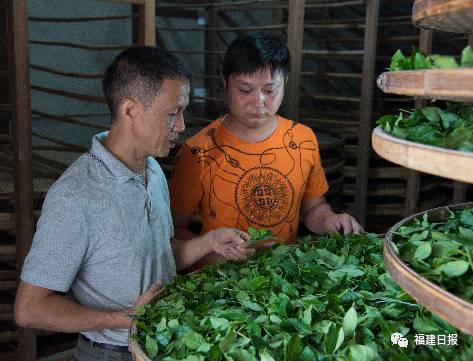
[432, 113]
[453, 268]
[449, 119]
[151, 346]
[308, 355]
[466, 217]
[362, 353]
[424, 325]
[340, 339]
[331, 339]
[350, 321]
[294, 348]
[439, 236]
[467, 57]
[252, 306]
[466, 233]
[444, 62]
[307, 316]
[161, 326]
[423, 251]
[204, 348]
[227, 341]
[399, 61]
[193, 340]
[266, 356]
[421, 61]
[417, 237]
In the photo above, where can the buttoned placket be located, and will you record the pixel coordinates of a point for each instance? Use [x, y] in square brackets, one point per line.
[142, 184]
[144, 187]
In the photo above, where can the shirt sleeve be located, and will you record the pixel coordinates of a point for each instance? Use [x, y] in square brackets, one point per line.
[317, 184]
[59, 245]
[185, 187]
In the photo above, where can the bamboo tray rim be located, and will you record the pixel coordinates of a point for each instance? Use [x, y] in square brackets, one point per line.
[424, 10]
[381, 133]
[433, 71]
[425, 78]
[137, 352]
[413, 278]
[430, 151]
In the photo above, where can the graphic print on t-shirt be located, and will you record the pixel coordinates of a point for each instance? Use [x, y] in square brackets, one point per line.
[264, 196]
[234, 183]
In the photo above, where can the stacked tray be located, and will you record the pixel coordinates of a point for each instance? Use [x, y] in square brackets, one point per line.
[446, 84]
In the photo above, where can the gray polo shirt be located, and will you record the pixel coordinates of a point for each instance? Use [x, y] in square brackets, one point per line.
[104, 235]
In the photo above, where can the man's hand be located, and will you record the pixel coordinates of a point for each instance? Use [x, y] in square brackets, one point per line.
[231, 243]
[149, 294]
[319, 218]
[342, 223]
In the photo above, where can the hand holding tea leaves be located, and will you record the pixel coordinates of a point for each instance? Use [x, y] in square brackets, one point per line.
[231, 243]
[259, 235]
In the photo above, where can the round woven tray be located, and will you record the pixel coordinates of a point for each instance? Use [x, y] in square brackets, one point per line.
[135, 348]
[455, 16]
[447, 84]
[442, 162]
[451, 308]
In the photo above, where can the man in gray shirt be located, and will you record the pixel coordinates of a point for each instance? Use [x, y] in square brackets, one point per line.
[105, 230]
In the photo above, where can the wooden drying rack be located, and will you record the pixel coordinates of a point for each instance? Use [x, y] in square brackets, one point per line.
[453, 164]
[144, 18]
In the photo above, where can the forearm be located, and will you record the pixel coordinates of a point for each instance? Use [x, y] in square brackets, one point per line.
[314, 218]
[188, 251]
[183, 233]
[58, 313]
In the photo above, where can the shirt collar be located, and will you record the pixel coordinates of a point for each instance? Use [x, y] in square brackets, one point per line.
[121, 172]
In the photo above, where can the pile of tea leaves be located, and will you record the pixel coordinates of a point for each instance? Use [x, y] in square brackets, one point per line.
[441, 251]
[451, 127]
[324, 299]
[418, 60]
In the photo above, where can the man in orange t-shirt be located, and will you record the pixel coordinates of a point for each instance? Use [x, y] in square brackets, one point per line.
[252, 167]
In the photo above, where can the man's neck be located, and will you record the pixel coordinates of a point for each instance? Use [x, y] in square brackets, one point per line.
[251, 135]
[125, 152]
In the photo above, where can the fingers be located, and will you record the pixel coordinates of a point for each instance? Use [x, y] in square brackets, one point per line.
[350, 225]
[259, 246]
[357, 228]
[245, 236]
[239, 254]
[232, 244]
[346, 224]
[343, 222]
[334, 227]
[149, 294]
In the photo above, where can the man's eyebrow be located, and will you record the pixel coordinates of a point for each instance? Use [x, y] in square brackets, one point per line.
[241, 82]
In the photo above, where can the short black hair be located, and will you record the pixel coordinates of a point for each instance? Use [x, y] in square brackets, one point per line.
[254, 51]
[139, 72]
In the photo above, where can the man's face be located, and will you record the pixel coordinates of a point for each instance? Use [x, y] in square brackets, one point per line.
[254, 99]
[164, 119]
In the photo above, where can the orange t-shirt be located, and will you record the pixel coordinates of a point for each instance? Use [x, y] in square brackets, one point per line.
[234, 183]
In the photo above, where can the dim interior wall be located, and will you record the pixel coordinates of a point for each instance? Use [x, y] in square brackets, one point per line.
[185, 41]
[95, 62]
[73, 60]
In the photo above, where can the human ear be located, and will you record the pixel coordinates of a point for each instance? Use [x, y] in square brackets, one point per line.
[224, 81]
[128, 108]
